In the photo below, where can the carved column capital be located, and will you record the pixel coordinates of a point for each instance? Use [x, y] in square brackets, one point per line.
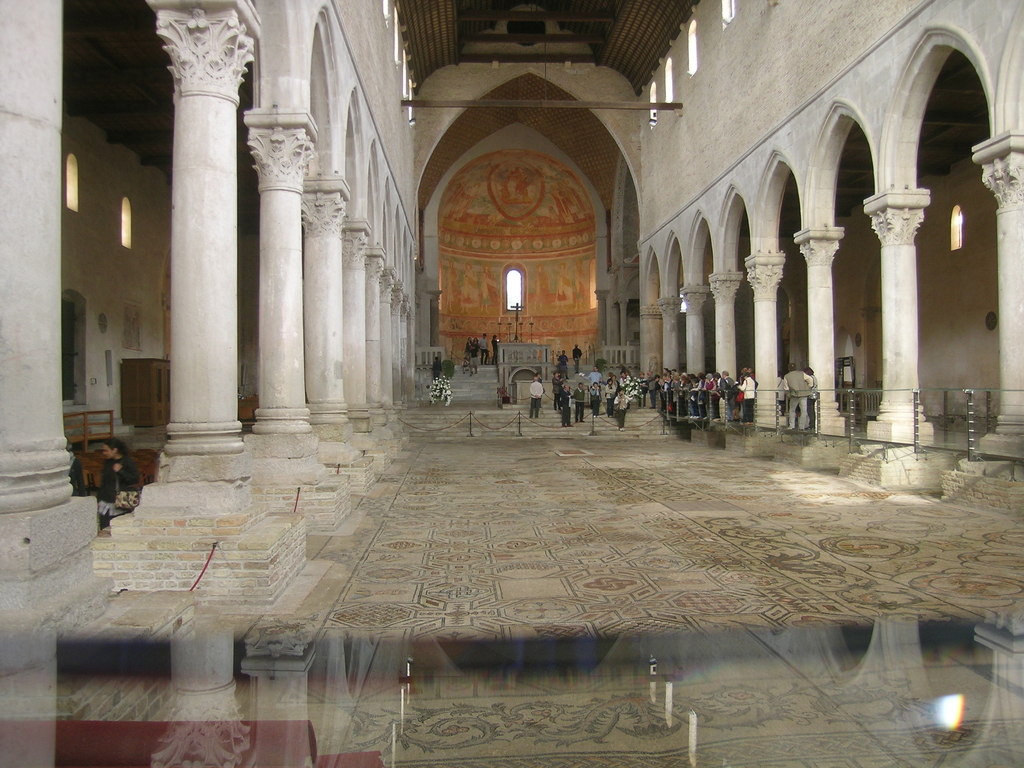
[282, 155]
[669, 306]
[897, 226]
[724, 285]
[764, 272]
[387, 281]
[355, 237]
[373, 258]
[819, 253]
[1005, 177]
[323, 213]
[650, 310]
[696, 295]
[397, 295]
[209, 51]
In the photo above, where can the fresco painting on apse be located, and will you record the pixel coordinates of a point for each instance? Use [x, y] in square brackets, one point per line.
[523, 209]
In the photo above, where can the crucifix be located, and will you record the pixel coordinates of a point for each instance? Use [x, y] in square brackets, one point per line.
[517, 306]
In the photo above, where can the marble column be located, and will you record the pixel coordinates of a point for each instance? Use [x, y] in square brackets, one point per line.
[623, 329]
[819, 247]
[46, 566]
[397, 345]
[374, 273]
[1002, 159]
[323, 213]
[409, 317]
[695, 295]
[723, 287]
[650, 338]
[669, 332]
[355, 235]
[764, 271]
[895, 217]
[434, 319]
[387, 344]
[204, 456]
[603, 335]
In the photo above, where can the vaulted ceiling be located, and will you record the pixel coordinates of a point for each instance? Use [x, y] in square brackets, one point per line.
[629, 36]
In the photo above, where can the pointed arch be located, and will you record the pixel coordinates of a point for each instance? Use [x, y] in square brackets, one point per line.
[354, 161]
[323, 101]
[764, 225]
[674, 267]
[819, 210]
[697, 243]
[734, 212]
[897, 166]
[373, 195]
[651, 288]
[1008, 107]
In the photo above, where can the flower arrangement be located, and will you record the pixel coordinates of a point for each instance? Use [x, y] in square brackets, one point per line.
[441, 390]
[630, 386]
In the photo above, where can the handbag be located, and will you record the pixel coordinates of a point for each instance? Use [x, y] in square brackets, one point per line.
[127, 500]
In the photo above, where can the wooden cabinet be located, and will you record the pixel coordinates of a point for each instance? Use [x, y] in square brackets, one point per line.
[145, 391]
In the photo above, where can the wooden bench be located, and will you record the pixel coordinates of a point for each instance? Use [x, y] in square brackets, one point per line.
[88, 426]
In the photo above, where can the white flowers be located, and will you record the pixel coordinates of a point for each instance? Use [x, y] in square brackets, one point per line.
[441, 390]
[630, 387]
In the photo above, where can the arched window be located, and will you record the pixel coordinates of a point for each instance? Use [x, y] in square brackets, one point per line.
[126, 222]
[691, 48]
[71, 183]
[670, 83]
[513, 289]
[654, 97]
[398, 35]
[387, 9]
[956, 229]
[728, 11]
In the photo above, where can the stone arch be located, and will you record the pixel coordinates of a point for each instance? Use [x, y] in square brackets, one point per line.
[324, 102]
[673, 265]
[734, 211]
[373, 194]
[1008, 107]
[897, 166]
[651, 289]
[764, 225]
[822, 177]
[354, 159]
[694, 272]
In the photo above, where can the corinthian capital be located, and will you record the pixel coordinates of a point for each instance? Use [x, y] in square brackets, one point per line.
[897, 226]
[695, 295]
[669, 306]
[764, 272]
[650, 310]
[397, 295]
[281, 155]
[387, 281]
[323, 213]
[209, 51]
[724, 285]
[819, 253]
[374, 261]
[1005, 177]
[355, 236]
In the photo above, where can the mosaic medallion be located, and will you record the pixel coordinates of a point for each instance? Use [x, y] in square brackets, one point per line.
[968, 585]
[866, 546]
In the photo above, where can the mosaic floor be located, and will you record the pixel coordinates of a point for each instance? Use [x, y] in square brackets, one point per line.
[506, 538]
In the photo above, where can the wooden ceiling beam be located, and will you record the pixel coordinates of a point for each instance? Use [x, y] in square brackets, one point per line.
[568, 16]
[527, 58]
[533, 39]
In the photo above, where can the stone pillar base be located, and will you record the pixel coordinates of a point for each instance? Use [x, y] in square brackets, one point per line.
[285, 459]
[360, 420]
[1003, 445]
[47, 581]
[378, 417]
[896, 468]
[361, 475]
[810, 453]
[753, 443]
[257, 555]
[994, 484]
[332, 454]
[333, 432]
[324, 506]
[896, 425]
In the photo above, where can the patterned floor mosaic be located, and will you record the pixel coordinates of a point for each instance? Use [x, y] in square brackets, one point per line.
[502, 538]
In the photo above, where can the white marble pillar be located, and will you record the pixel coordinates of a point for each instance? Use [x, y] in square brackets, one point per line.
[723, 287]
[397, 345]
[323, 213]
[387, 345]
[45, 562]
[650, 338]
[819, 247]
[895, 217]
[205, 456]
[1002, 159]
[695, 295]
[409, 317]
[355, 235]
[603, 336]
[282, 149]
[764, 271]
[669, 332]
[374, 273]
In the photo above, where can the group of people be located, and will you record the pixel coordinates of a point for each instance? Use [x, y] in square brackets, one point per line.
[563, 360]
[479, 351]
[595, 391]
[714, 396]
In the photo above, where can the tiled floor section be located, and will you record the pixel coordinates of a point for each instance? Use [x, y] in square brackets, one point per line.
[506, 538]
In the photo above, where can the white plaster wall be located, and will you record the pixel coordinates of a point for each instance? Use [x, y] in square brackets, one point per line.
[95, 264]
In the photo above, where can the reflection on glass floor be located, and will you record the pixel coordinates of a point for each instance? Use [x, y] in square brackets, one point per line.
[937, 694]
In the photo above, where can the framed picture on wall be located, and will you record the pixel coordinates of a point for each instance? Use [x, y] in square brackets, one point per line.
[132, 328]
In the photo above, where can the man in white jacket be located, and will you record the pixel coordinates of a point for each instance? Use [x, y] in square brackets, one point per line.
[536, 395]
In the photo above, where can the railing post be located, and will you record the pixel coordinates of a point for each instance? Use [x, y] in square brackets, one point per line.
[971, 445]
[988, 411]
[778, 428]
[470, 423]
[851, 418]
[519, 424]
[917, 423]
[593, 423]
[817, 415]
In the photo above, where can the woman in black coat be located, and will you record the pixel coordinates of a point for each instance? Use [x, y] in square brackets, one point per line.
[120, 473]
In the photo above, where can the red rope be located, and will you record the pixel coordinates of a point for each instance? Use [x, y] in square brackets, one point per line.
[493, 429]
[297, 492]
[208, 559]
[424, 429]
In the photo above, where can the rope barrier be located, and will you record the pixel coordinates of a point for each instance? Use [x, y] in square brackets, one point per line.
[493, 429]
[442, 429]
[208, 559]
